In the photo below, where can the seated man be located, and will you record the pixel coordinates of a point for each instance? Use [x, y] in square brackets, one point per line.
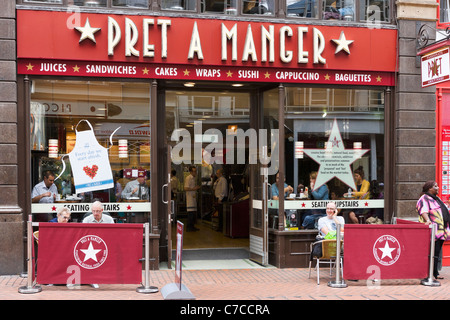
[97, 215]
[137, 188]
[45, 191]
[329, 223]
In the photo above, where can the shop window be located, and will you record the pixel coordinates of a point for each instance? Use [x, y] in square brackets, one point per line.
[302, 8]
[259, 7]
[45, 1]
[219, 7]
[323, 127]
[131, 3]
[90, 3]
[374, 11]
[444, 11]
[179, 5]
[58, 111]
[338, 10]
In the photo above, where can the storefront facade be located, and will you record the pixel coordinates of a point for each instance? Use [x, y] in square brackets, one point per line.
[164, 90]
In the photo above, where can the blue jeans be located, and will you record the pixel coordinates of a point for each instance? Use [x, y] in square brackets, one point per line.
[310, 221]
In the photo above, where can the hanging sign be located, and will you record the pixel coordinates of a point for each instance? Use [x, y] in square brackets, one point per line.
[435, 67]
[90, 162]
[335, 160]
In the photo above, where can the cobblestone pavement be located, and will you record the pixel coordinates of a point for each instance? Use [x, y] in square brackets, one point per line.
[242, 284]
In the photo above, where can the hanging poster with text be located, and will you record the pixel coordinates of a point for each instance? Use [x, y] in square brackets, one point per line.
[90, 163]
[334, 160]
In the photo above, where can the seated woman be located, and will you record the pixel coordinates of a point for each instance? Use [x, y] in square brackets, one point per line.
[361, 192]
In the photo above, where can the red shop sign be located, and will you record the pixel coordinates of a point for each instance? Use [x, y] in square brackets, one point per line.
[113, 38]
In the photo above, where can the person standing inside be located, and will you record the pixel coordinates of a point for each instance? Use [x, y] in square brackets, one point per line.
[432, 210]
[191, 187]
[220, 187]
[220, 194]
[46, 190]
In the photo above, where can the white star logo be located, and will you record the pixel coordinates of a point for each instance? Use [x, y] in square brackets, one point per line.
[342, 43]
[335, 160]
[87, 32]
[386, 251]
[90, 253]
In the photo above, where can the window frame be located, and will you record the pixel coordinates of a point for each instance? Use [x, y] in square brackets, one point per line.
[280, 11]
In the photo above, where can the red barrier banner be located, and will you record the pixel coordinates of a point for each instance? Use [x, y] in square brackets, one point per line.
[386, 251]
[404, 221]
[77, 253]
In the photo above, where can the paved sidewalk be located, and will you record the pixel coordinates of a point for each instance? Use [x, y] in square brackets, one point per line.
[241, 284]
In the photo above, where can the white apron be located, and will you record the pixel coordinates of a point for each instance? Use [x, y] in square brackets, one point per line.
[90, 163]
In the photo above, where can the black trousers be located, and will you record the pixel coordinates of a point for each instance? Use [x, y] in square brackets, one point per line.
[191, 220]
[437, 254]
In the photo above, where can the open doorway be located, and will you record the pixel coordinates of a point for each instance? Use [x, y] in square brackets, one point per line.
[199, 122]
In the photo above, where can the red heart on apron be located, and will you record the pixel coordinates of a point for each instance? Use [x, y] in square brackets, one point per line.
[91, 172]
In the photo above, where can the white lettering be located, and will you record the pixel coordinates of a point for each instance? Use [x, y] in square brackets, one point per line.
[285, 56]
[249, 47]
[131, 37]
[148, 49]
[267, 36]
[229, 35]
[114, 35]
[195, 47]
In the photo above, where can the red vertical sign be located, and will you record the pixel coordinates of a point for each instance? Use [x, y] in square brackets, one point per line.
[179, 257]
[444, 163]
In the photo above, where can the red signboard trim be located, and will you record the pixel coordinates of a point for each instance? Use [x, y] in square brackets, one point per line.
[209, 73]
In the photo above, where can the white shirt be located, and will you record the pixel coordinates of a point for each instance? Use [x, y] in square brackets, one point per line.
[105, 219]
[191, 196]
[221, 188]
[41, 188]
[329, 223]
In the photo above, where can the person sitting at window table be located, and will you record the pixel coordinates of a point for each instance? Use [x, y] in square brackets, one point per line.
[330, 221]
[62, 215]
[45, 191]
[97, 215]
[321, 193]
[256, 7]
[361, 192]
[137, 188]
[275, 194]
[432, 210]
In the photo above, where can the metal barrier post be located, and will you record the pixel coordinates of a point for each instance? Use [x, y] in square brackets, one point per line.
[338, 283]
[30, 288]
[430, 281]
[146, 288]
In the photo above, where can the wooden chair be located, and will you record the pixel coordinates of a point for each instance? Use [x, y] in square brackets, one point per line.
[326, 256]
